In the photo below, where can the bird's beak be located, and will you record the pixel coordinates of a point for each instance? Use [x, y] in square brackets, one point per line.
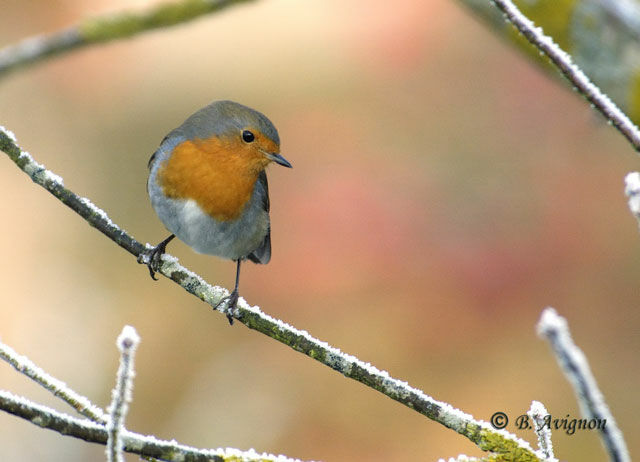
[278, 159]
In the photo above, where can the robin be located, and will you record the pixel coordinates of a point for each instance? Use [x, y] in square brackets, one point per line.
[208, 185]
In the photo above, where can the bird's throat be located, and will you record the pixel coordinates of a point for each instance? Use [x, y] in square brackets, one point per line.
[212, 172]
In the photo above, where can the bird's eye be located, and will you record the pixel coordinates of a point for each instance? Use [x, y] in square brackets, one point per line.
[248, 136]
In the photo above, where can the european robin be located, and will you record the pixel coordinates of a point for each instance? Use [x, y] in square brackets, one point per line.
[208, 185]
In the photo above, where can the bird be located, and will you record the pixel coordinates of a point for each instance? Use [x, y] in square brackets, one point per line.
[208, 185]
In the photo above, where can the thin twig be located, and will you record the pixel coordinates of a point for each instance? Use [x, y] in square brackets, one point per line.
[25, 366]
[127, 342]
[632, 190]
[481, 433]
[572, 72]
[106, 28]
[134, 443]
[538, 413]
[555, 330]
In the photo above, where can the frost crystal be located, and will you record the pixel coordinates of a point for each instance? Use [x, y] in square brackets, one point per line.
[128, 339]
[98, 211]
[632, 190]
[9, 133]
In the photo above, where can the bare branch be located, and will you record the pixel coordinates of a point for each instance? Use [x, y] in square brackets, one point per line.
[479, 432]
[573, 73]
[106, 28]
[25, 366]
[555, 330]
[134, 443]
[602, 37]
[538, 413]
[127, 342]
[632, 190]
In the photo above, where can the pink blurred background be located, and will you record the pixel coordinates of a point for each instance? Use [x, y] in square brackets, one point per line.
[444, 192]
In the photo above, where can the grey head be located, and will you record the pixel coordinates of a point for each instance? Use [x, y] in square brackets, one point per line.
[226, 118]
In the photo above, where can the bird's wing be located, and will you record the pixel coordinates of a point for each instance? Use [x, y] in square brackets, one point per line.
[262, 179]
[263, 253]
[153, 156]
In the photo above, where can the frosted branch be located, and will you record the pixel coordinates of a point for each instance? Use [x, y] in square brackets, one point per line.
[25, 366]
[571, 71]
[463, 458]
[539, 415]
[106, 28]
[632, 190]
[555, 330]
[479, 432]
[122, 393]
[101, 432]
[134, 443]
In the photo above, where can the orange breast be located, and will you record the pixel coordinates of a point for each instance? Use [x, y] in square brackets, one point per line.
[214, 172]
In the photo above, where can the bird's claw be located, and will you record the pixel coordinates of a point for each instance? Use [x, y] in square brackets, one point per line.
[153, 259]
[231, 301]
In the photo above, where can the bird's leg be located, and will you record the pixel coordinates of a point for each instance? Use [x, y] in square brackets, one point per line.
[232, 299]
[151, 257]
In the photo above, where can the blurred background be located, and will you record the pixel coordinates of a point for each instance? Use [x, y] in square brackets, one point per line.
[444, 191]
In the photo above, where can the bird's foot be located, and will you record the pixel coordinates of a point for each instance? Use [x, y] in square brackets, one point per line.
[153, 258]
[231, 301]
